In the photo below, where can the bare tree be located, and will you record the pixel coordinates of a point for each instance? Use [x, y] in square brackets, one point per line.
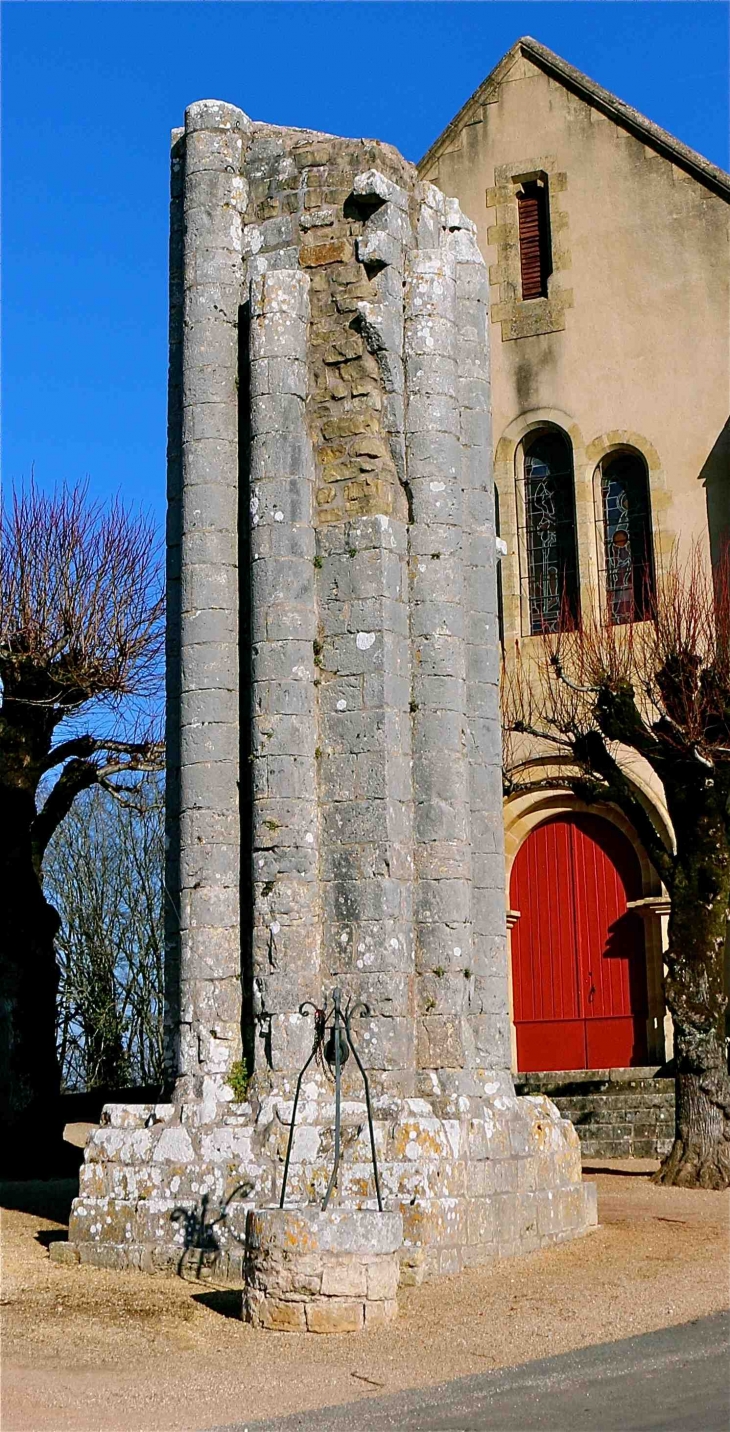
[588, 701]
[81, 634]
[103, 874]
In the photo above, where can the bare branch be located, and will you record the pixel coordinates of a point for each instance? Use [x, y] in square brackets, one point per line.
[82, 746]
[557, 666]
[81, 601]
[76, 777]
[151, 750]
[79, 774]
[595, 757]
[103, 871]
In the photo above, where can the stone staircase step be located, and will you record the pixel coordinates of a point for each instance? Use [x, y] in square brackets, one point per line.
[618, 1113]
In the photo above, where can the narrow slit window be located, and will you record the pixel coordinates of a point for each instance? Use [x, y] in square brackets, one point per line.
[552, 555]
[534, 234]
[500, 594]
[627, 533]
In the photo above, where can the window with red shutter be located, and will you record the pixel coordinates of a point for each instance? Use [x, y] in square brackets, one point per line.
[534, 234]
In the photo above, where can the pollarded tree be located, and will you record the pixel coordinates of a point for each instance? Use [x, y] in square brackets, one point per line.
[81, 635]
[658, 689]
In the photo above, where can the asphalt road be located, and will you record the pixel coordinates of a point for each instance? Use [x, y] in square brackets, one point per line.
[674, 1380]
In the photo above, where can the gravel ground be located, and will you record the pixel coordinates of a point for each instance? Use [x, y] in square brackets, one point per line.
[88, 1350]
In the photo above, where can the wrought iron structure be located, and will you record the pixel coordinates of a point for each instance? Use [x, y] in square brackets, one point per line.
[331, 1049]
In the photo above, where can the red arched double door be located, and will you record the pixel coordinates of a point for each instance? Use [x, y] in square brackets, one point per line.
[578, 962]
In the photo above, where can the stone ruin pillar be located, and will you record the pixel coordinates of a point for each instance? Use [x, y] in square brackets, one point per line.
[334, 783]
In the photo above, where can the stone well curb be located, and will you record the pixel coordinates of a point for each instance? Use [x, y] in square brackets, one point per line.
[309, 1271]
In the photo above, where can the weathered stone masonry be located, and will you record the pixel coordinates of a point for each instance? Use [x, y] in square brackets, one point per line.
[333, 731]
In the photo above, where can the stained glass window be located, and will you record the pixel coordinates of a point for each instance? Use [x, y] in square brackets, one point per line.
[552, 558]
[627, 532]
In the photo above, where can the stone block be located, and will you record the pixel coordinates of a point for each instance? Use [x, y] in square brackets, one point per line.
[281, 1316]
[345, 1278]
[174, 1145]
[127, 1116]
[101, 1256]
[382, 1280]
[376, 187]
[65, 1253]
[335, 1315]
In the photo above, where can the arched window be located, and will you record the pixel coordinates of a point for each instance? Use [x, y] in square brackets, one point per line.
[552, 558]
[627, 537]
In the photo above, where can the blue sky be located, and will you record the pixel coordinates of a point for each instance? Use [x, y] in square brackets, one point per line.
[91, 91]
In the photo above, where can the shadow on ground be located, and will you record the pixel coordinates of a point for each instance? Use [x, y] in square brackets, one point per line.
[617, 1172]
[226, 1301]
[42, 1197]
[48, 1236]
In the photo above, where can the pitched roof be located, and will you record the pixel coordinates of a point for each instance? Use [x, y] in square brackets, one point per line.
[601, 99]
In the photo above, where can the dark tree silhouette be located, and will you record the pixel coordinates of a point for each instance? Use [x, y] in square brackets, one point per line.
[81, 632]
[589, 702]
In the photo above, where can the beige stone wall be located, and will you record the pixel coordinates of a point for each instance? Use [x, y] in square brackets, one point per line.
[631, 345]
[630, 349]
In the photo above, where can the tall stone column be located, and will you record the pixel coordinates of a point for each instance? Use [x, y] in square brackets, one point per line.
[365, 771]
[284, 740]
[489, 1015]
[444, 961]
[209, 839]
[172, 625]
[365, 788]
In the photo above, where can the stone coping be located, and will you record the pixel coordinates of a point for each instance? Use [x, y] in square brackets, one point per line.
[336, 1230]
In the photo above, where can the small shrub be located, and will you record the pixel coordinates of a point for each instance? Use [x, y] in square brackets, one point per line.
[238, 1080]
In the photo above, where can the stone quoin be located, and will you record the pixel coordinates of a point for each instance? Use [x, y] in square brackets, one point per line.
[333, 740]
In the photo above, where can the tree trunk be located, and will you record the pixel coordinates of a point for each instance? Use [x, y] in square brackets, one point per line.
[700, 1155]
[30, 1133]
[696, 997]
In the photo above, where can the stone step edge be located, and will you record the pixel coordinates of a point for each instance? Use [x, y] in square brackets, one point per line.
[617, 1075]
[586, 1089]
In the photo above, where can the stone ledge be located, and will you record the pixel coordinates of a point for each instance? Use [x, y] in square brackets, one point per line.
[473, 1179]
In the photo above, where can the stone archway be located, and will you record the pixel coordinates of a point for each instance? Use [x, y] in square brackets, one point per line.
[578, 959]
[644, 897]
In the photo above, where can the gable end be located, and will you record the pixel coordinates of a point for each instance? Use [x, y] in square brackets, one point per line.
[624, 115]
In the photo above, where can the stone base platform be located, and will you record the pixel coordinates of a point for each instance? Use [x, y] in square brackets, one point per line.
[169, 1188]
[333, 1272]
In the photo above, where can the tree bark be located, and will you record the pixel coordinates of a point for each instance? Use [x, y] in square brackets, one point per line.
[30, 1133]
[700, 1154]
[696, 996]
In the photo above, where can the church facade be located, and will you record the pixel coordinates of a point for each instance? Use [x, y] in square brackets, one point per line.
[607, 244]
